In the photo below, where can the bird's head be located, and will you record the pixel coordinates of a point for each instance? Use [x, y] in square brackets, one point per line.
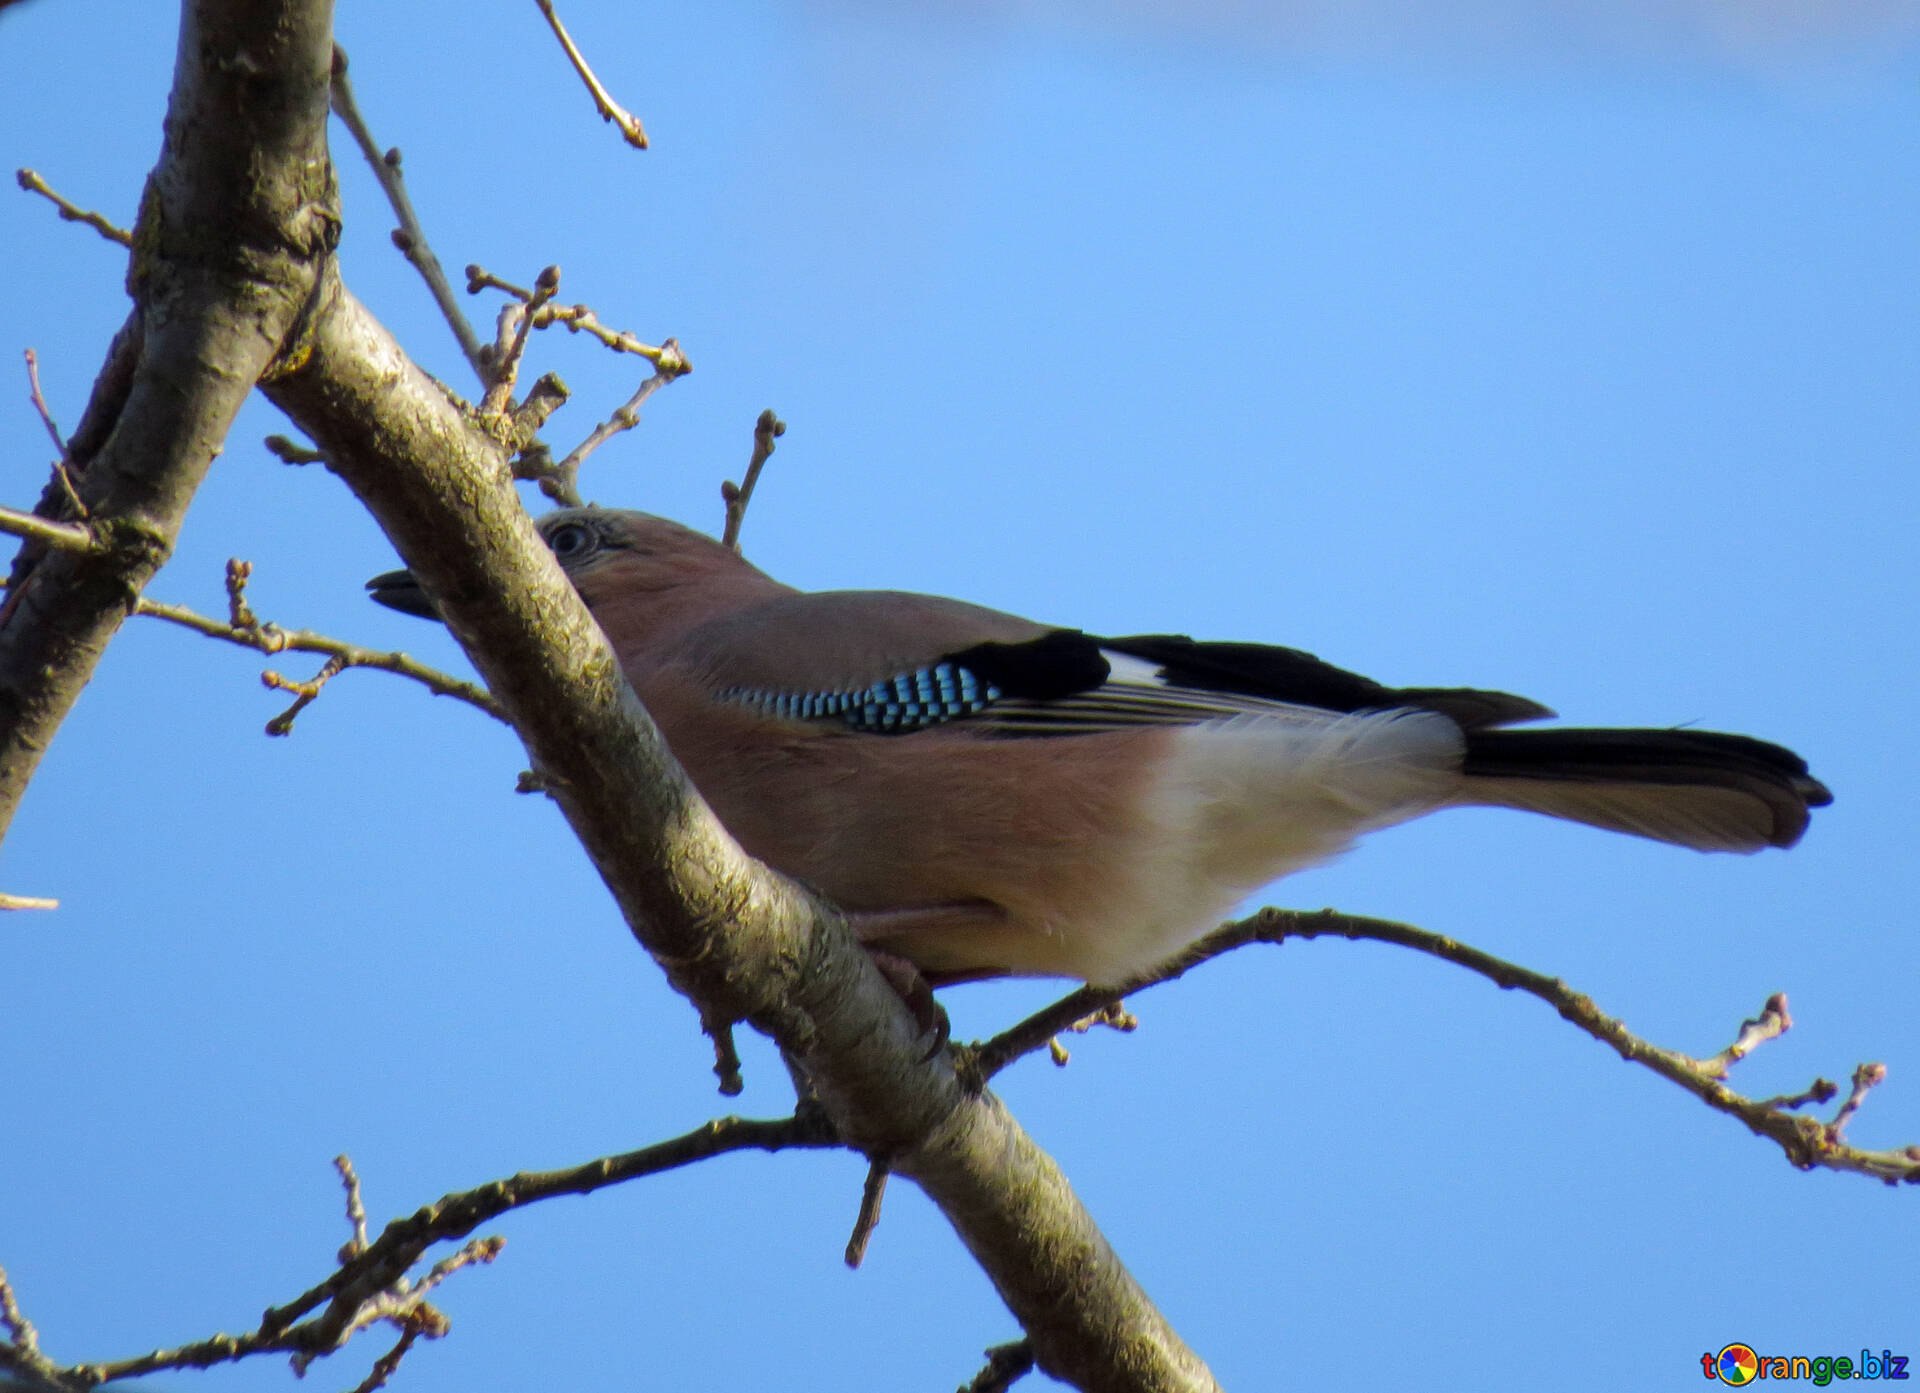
[619, 561]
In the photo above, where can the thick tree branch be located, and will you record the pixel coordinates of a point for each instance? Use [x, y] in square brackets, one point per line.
[236, 219]
[740, 941]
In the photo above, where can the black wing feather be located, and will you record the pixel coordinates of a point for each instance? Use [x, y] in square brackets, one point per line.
[1300, 679]
[1059, 664]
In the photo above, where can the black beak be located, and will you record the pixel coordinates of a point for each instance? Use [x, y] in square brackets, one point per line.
[399, 590]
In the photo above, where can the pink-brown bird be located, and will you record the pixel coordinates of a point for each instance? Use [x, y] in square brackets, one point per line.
[986, 795]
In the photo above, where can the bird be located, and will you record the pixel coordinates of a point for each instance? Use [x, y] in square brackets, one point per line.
[986, 795]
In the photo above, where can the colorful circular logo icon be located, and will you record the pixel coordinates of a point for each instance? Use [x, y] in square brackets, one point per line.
[1737, 1364]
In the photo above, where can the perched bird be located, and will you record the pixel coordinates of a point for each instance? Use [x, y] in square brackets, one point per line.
[986, 795]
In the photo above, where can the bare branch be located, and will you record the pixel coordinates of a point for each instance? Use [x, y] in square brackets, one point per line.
[561, 482]
[1865, 1077]
[506, 363]
[40, 406]
[1113, 1016]
[388, 1364]
[292, 451]
[1807, 1143]
[868, 1219]
[610, 110]
[242, 628]
[726, 1058]
[356, 1244]
[582, 320]
[402, 1243]
[768, 429]
[20, 1332]
[56, 536]
[740, 941]
[33, 183]
[27, 902]
[410, 237]
[238, 218]
[1772, 1022]
[371, 1285]
[1006, 1366]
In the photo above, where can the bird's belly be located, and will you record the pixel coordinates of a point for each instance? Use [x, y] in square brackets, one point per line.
[1100, 855]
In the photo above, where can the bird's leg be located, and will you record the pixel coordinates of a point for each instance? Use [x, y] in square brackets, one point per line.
[889, 935]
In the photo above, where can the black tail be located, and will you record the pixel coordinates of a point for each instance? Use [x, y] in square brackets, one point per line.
[1693, 788]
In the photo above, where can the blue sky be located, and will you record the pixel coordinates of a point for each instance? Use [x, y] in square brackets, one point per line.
[1573, 356]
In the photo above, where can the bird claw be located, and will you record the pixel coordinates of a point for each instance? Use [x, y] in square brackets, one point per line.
[917, 994]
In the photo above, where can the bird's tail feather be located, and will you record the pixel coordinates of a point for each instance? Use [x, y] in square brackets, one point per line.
[1694, 788]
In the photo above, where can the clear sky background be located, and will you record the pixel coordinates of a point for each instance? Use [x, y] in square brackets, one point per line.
[1561, 348]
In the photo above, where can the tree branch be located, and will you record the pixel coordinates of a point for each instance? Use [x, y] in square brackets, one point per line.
[1807, 1143]
[31, 181]
[628, 124]
[766, 432]
[236, 219]
[410, 237]
[371, 1284]
[248, 632]
[740, 941]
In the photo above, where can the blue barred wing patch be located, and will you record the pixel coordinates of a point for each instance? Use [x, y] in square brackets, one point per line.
[916, 700]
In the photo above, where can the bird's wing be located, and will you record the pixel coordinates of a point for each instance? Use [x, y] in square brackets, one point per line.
[888, 663]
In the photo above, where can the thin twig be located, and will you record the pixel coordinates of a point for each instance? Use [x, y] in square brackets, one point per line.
[1806, 1142]
[403, 1241]
[40, 404]
[304, 693]
[60, 536]
[372, 1286]
[868, 1219]
[726, 1058]
[271, 638]
[506, 363]
[1819, 1091]
[63, 465]
[561, 482]
[27, 902]
[479, 278]
[293, 452]
[768, 429]
[610, 110]
[581, 319]
[409, 237]
[33, 183]
[1114, 1016]
[21, 1352]
[388, 1364]
[1006, 1366]
[20, 1332]
[1865, 1077]
[1772, 1022]
[356, 1210]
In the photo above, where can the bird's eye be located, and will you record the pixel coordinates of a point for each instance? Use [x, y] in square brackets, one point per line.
[570, 541]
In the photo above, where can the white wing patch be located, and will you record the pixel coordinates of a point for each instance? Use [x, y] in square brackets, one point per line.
[1135, 694]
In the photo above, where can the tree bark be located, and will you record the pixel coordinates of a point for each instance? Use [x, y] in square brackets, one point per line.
[233, 283]
[236, 221]
[742, 942]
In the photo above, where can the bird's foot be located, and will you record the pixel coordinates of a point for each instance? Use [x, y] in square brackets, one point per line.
[917, 993]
